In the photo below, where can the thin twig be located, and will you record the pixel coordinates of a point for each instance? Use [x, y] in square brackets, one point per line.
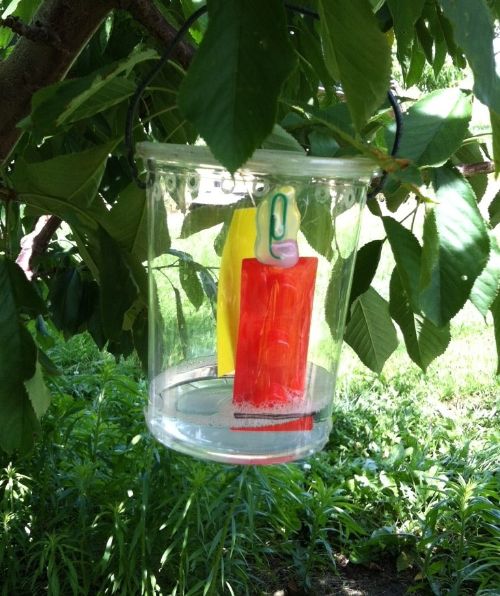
[36, 32]
[35, 244]
[414, 217]
[412, 212]
[473, 169]
[149, 16]
[42, 240]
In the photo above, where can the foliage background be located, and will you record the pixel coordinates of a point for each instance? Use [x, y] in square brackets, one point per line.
[67, 73]
[323, 81]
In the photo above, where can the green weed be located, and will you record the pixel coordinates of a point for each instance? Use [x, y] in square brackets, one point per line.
[99, 507]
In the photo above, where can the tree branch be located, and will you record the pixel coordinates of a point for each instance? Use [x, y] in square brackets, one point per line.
[42, 239]
[33, 65]
[473, 169]
[36, 32]
[35, 244]
[148, 15]
[42, 56]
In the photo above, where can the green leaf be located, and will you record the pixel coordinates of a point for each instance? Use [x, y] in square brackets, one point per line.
[439, 38]
[404, 16]
[494, 6]
[66, 293]
[138, 306]
[209, 286]
[425, 39]
[127, 224]
[334, 299]
[25, 295]
[404, 561]
[486, 286]
[495, 128]
[494, 210]
[73, 178]
[190, 282]
[367, 260]
[322, 144]
[140, 336]
[67, 186]
[281, 140]
[181, 323]
[122, 346]
[231, 90]
[357, 54]
[456, 248]
[17, 348]
[337, 117]
[417, 63]
[47, 364]
[201, 218]
[172, 125]
[18, 421]
[17, 364]
[435, 127]
[75, 99]
[472, 154]
[311, 51]
[95, 327]
[370, 331]
[38, 393]
[424, 341]
[83, 224]
[316, 220]
[118, 291]
[495, 311]
[395, 193]
[169, 124]
[454, 51]
[473, 29]
[407, 254]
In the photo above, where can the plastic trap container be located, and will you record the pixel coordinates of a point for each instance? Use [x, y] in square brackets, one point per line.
[249, 281]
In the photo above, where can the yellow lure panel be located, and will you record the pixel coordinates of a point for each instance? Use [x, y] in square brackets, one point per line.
[239, 245]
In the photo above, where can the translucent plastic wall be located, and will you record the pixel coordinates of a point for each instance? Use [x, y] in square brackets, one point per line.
[249, 282]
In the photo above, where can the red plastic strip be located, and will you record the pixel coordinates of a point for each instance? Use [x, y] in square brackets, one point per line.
[273, 338]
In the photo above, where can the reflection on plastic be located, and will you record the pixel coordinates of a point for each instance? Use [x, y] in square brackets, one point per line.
[304, 423]
[239, 245]
[278, 223]
[273, 339]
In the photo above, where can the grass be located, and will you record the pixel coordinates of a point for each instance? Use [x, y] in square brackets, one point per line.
[410, 474]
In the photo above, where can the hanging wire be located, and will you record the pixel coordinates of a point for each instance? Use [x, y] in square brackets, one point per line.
[136, 98]
[165, 57]
[398, 118]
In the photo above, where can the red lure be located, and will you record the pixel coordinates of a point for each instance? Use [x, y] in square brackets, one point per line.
[273, 338]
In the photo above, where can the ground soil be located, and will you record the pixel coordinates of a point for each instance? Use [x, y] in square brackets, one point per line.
[380, 579]
[357, 580]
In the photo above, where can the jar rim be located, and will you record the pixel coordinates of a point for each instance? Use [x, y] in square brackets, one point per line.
[263, 161]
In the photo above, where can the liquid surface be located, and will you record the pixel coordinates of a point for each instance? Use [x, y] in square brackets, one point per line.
[193, 411]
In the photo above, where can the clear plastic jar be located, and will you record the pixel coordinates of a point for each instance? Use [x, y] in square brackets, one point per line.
[249, 282]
